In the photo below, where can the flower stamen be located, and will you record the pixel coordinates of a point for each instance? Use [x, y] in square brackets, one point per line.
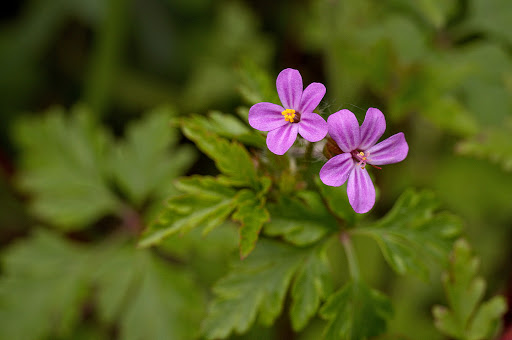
[363, 158]
[291, 116]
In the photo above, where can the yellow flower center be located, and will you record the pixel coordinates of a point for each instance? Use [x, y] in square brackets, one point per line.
[289, 115]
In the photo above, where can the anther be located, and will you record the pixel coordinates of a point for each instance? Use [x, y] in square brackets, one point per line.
[291, 116]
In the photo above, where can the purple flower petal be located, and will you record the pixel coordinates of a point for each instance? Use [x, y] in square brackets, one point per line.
[311, 97]
[312, 127]
[282, 138]
[289, 88]
[391, 150]
[335, 172]
[372, 128]
[344, 129]
[360, 190]
[266, 116]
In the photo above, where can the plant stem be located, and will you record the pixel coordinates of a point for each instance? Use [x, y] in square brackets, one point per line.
[353, 265]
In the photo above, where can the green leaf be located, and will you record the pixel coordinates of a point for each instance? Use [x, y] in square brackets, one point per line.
[493, 144]
[205, 201]
[161, 303]
[127, 288]
[488, 318]
[43, 285]
[142, 164]
[337, 200]
[231, 158]
[413, 233]
[252, 214]
[228, 126]
[467, 318]
[356, 312]
[62, 166]
[255, 287]
[300, 220]
[135, 287]
[310, 286]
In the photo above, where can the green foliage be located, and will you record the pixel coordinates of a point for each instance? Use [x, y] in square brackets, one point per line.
[67, 161]
[300, 220]
[337, 201]
[467, 317]
[227, 126]
[167, 301]
[37, 290]
[257, 287]
[356, 312]
[211, 201]
[484, 84]
[204, 200]
[493, 144]
[251, 213]
[312, 283]
[142, 164]
[63, 166]
[231, 158]
[412, 233]
[498, 10]
[257, 85]
[131, 287]
[231, 35]
[440, 69]
[435, 12]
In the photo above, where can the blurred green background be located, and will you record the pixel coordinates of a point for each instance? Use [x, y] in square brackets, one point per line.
[440, 70]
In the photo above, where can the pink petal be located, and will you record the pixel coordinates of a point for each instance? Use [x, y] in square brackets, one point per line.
[289, 88]
[344, 129]
[360, 190]
[335, 172]
[282, 138]
[312, 127]
[391, 150]
[372, 128]
[311, 97]
[266, 116]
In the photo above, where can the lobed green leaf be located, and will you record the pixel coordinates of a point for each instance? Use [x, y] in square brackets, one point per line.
[256, 288]
[142, 164]
[66, 161]
[300, 220]
[412, 233]
[311, 285]
[205, 201]
[54, 287]
[356, 312]
[128, 287]
[63, 165]
[231, 158]
[467, 318]
[252, 214]
[228, 126]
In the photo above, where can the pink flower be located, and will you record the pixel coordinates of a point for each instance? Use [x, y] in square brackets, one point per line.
[295, 116]
[358, 148]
